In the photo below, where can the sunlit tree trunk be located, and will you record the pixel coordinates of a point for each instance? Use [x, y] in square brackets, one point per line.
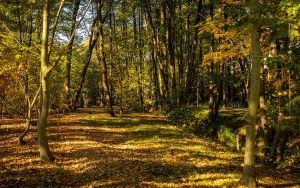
[45, 153]
[249, 158]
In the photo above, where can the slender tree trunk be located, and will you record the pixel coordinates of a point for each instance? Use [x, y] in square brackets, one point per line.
[171, 47]
[139, 65]
[29, 117]
[154, 53]
[76, 4]
[105, 69]
[180, 93]
[45, 153]
[26, 82]
[19, 22]
[92, 43]
[249, 159]
[110, 67]
[162, 48]
[192, 63]
[155, 78]
[213, 110]
[141, 62]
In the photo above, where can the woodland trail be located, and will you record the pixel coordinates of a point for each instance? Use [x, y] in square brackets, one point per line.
[135, 150]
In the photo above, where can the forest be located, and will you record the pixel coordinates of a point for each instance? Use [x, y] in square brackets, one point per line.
[149, 93]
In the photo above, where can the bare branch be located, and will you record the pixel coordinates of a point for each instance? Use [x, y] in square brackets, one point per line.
[36, 96]
[55, 26]
[55, 64]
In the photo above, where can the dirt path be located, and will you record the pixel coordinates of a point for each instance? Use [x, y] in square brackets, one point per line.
[137, 150]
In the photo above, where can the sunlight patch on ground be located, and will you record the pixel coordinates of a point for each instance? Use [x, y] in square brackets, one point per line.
[212, 176]
[101, 184]
[136, 150]
[140, 146]
[213, 182]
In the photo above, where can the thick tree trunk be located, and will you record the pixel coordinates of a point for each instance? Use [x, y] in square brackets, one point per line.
[45, 153]
[249, 159]
[171, 47]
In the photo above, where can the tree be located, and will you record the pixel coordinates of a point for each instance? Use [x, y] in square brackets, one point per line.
[76, 4]
[45, 153]
[249, 159]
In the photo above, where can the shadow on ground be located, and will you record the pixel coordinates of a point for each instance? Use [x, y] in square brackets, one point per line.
[94, 150]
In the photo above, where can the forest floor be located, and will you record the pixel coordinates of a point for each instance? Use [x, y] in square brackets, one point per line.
[135, 150]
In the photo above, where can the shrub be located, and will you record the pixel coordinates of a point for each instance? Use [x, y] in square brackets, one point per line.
[181, 115]
[227, 136]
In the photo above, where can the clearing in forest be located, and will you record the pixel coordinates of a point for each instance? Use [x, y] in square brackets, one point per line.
[135, 150]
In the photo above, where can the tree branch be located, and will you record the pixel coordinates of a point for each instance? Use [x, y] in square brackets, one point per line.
[55, 64]
[55, 26]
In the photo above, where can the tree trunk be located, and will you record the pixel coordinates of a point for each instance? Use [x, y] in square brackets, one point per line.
[45, 153]
[139, 66]
[26, 83]
[28, 118]
[92, 42]
[249, 158]
[154, 53]
[263, 118]
[105, 68]
[192, 65]
[180, 94]
[76, 4]
[171, 47]
[213, 88]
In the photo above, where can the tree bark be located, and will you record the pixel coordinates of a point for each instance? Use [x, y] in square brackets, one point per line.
[171, 47]
[45, 153]
[249, 158]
